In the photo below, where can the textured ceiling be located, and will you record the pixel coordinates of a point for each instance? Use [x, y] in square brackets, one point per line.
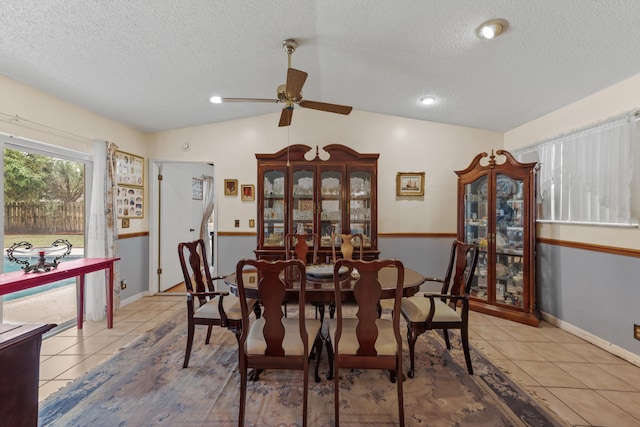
[153, 64]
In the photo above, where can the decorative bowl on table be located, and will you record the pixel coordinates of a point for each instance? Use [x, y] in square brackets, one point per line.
[23, 252]
[323, 270]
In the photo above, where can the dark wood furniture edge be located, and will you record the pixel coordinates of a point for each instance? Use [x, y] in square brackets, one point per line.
[531, 319]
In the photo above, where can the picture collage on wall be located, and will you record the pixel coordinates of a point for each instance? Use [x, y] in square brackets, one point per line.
[129, 202]
[130, 180]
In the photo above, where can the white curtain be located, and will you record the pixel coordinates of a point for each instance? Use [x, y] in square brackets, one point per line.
[102, 232]
[207, 200]
[589, 176]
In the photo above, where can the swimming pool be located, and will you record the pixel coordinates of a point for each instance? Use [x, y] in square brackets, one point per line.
[12, 266]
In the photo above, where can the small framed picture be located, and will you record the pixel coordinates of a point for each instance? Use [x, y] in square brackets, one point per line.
[230, 187]
[410, 184]
[196, 188]
[248, 192]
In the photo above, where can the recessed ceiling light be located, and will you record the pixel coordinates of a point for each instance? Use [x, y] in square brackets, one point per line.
[428, 100]
[215, 100]
[491, 29]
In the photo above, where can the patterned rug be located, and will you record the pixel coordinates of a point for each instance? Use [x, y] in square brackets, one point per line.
[145, 385]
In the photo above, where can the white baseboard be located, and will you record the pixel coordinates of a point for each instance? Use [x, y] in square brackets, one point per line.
[133, 298]
[597, 341]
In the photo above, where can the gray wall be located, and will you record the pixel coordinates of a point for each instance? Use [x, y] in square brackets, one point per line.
[231, 249]
[134, 265]
[594, 291]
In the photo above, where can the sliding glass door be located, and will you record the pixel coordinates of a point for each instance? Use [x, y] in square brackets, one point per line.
[44, 200]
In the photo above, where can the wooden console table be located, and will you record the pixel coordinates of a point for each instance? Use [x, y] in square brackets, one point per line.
[19, 280]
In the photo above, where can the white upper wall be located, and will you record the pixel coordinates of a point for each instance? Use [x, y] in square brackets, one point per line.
[47, 119]
[404, 145]
[616, 99]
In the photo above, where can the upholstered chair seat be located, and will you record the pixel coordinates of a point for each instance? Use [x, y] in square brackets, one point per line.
[230, 305]
[385, 342]
[416, 309]
[292, 343]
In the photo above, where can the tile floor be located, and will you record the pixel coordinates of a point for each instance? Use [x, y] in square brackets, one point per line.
[583, 384]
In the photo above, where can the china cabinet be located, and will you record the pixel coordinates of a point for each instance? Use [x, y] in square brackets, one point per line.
[300, 192]
[496, 210]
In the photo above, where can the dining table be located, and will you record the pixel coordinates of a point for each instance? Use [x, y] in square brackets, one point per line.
[320, 288]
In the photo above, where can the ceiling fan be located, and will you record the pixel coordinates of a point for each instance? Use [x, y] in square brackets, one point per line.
[290, 93]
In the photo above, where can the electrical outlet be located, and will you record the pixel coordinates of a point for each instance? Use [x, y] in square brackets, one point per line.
[123, 284]
[237, 223]
[636, 331]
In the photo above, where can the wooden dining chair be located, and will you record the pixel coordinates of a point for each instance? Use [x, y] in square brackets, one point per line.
[347, 246]
[366, 341]
[275, 341]
[214, 307]
[428, 311]
[297, 246]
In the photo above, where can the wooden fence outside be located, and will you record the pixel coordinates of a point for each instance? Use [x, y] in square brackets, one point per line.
[43, 217]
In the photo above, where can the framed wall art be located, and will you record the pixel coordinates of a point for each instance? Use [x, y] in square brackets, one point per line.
[129, 169]
[230, 187]
[248, 192]
[196, 188]
[410, 184]
[130, 202]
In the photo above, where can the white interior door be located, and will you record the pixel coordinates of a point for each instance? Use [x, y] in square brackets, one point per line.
[180, 216]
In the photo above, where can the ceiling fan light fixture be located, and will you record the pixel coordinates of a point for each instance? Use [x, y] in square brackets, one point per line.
[493, 28]
[428, 100]
[290, 93]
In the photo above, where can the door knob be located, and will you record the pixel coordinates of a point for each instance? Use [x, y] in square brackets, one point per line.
[192, 229]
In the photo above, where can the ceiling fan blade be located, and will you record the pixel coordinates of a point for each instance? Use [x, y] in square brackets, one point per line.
[285, 117]
[295, 81]
[322, 106]
[272, 101]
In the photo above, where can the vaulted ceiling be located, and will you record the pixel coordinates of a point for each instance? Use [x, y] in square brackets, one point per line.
[154, 64]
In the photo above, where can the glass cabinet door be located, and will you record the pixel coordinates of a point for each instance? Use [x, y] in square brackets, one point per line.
[360, 205]
[476, 206]
[274, 207]
[331, 184]
[509, 240]
[302, 202]
[495, 210]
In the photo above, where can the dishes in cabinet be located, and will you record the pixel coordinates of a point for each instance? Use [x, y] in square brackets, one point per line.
[502, 270]
[501, 240]
[505, 187]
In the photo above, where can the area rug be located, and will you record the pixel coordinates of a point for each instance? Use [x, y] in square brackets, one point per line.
[145, 385]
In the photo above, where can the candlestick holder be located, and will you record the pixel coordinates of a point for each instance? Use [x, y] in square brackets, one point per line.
[22, 253]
